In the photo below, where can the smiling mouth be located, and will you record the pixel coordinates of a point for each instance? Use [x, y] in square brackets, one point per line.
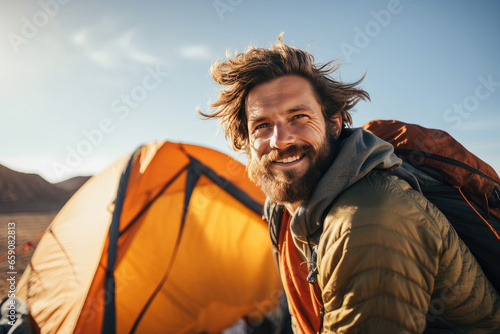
[290, 159]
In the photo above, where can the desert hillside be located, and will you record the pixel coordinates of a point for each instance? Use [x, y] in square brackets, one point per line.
[25, 192]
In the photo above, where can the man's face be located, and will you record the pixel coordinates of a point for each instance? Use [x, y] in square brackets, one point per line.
[290, 148]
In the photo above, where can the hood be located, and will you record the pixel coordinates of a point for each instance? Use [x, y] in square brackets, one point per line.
[360, 152]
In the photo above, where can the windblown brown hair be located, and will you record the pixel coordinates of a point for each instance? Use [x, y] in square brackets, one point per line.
[259, 65]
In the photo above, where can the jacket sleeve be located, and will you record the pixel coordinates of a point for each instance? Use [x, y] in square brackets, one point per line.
[462, 294]
[377, 261]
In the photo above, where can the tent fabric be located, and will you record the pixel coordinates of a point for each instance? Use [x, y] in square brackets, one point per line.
[189, 252]
[55, 283]
[109, 320]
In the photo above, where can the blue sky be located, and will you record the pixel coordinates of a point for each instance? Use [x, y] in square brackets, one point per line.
[84, 82]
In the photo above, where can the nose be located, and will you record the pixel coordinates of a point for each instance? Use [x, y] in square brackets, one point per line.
[282, 137]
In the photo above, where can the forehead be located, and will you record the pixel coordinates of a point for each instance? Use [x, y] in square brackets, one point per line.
[281, 93]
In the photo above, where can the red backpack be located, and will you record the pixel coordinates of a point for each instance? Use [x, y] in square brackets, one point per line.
[468, 192]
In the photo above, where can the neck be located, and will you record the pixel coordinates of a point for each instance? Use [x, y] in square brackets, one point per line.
[292, 207]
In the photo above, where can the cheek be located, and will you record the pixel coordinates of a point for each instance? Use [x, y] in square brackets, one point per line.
[253, 162]
[258, 148]
[254, 167]
[314, 135]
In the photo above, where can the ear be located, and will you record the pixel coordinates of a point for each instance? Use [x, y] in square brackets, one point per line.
[336, 124]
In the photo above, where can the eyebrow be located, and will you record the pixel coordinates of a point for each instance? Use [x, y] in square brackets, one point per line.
[288, 111]
[256, 120]
[298, 108]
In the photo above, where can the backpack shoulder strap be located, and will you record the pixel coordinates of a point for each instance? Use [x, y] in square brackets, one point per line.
[406, 175]
[273, 215]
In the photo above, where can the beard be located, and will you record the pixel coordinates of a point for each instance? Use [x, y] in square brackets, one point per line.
[286, 186]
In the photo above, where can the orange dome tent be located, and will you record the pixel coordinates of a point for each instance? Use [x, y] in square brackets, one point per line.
[175, 244]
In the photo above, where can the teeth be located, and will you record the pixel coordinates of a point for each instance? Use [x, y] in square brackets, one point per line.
[289, 159]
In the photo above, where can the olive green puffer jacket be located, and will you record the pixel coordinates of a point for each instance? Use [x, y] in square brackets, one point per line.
[387, 257]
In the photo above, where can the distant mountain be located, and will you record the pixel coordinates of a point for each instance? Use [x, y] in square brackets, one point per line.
[26, 192]
[72, 184]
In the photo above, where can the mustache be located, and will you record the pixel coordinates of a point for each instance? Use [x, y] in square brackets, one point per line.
[277, 154]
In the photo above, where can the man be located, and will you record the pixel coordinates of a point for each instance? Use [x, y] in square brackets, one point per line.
[359, 251]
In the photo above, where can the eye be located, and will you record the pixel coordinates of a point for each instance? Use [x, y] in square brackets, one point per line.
[261, 126]
[294, 117]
